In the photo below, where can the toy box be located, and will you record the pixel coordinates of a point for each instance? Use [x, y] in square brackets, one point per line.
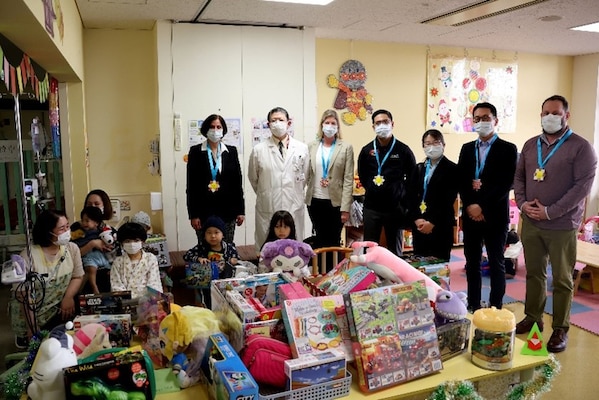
[225, 374]
[436, 268]
[315, 368]
[454, 338]
[317, 324]
[126, 375]
[344, 279]
[107, 303]
[393, 334]
[156, 244]
[292, 291]
[118, 326]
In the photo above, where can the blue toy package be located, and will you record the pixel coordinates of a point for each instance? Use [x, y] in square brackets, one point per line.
[199, 275]
[225, 374]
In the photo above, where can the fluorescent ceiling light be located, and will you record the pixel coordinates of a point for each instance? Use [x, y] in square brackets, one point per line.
[588, 28]
[312, 2]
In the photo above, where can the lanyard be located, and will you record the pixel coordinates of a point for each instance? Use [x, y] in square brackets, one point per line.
[540, 160]
[214, 165]
[427, 178]
[481, 166]
[326, 163]
[376, 154]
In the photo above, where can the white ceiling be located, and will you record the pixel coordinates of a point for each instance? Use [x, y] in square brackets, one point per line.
[374, 20]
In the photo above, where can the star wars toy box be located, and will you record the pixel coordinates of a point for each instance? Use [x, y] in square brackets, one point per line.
[117, 325]
[128, 374]
[315, 368]
[156, 244]
[225, 375]
[118, 302]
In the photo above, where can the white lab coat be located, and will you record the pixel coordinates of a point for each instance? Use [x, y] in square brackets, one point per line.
[279, 184]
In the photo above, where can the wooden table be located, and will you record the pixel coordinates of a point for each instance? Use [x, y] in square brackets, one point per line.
[458, 368]
[588, 254]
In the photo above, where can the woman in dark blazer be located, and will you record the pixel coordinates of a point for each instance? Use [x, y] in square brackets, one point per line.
[330, 181]
[432, 191]
[214, 182]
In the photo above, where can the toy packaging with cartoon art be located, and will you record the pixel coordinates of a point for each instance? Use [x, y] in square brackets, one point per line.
[317, 324]
[124, 375]
[393, 334]
[224, 373]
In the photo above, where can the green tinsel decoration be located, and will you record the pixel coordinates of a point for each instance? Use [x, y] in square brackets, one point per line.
[16, 381]
[528, 390]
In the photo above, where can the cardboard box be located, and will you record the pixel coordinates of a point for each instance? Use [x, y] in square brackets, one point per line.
[315, 368]
[127, 375]
[107, 303]
[119, 326]
[225, 374]
[292, 291]
[156, 244]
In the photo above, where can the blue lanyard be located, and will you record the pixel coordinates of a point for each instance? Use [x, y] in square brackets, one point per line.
[327, 162]
[376, 154]
[214, 165]
[481, 166]
[426, 178]
[561, 141]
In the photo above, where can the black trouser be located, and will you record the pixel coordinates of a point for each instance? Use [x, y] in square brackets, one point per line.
[326, 220]
[493, 236]
[375, 221]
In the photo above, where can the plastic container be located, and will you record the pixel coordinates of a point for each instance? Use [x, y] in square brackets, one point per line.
[322, 391]
[493, 339]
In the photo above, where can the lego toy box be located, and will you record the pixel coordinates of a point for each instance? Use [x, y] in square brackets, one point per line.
[225, 374]
[107, 303]
[125, 375]
[435, 268]
[118, 326]
[454, 338]
[315, 368]
[156, 244]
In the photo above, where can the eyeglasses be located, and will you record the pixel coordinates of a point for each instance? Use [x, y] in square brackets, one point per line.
[484, 118]
[435, 143]
[384, 121]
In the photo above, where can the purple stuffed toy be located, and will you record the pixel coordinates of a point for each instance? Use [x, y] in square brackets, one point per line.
[286, 255]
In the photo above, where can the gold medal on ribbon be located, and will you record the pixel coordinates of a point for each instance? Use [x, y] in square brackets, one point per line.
[422, 207]
[476, 184]
[213, 186]
[539, 175]
[378, 180]
[324, 182]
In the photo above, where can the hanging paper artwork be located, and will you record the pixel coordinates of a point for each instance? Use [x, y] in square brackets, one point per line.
[352, 95]
[456, 85]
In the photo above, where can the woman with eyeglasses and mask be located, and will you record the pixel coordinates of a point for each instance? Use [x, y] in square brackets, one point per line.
[432, 191]
[58, 261]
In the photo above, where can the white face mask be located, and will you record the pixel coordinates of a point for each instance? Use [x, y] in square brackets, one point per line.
[434, 152]
[278, 128]
[63, 239]
[329, 130]
[132, 247]
[551, 123]
[383, 130]
[215, 135]
[484, 128]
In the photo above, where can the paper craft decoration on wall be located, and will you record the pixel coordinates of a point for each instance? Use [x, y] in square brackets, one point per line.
[352, 94]
[456, 85]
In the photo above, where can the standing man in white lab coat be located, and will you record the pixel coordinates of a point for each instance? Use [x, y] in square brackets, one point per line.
[277, 172]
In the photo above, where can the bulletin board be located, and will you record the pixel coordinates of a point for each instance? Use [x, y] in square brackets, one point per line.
[455, 85]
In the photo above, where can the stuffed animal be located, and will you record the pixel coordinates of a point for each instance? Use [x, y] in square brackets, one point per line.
[186, 331]
[90, 339]
[286, 255]
[55, 353]
[107, 236]
[392, 268]
[450, 306]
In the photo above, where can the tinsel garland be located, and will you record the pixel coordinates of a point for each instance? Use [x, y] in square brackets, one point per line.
[527, 390]
[16, 381]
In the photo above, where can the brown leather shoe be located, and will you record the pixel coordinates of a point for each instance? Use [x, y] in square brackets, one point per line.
[558, 340]
[526, 324]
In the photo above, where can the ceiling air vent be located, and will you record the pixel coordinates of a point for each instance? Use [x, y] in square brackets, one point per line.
[481, 10]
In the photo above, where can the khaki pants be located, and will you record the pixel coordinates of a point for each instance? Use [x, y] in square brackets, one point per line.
[559, 248]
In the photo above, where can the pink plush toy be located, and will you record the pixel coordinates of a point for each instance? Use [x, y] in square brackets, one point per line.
[90, 339]
[392, 268]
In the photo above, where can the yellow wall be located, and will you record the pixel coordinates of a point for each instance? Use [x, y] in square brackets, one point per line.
[121, 114]
[396, 77]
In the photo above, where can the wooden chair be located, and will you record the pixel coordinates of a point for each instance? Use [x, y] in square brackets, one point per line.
[319, 261]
